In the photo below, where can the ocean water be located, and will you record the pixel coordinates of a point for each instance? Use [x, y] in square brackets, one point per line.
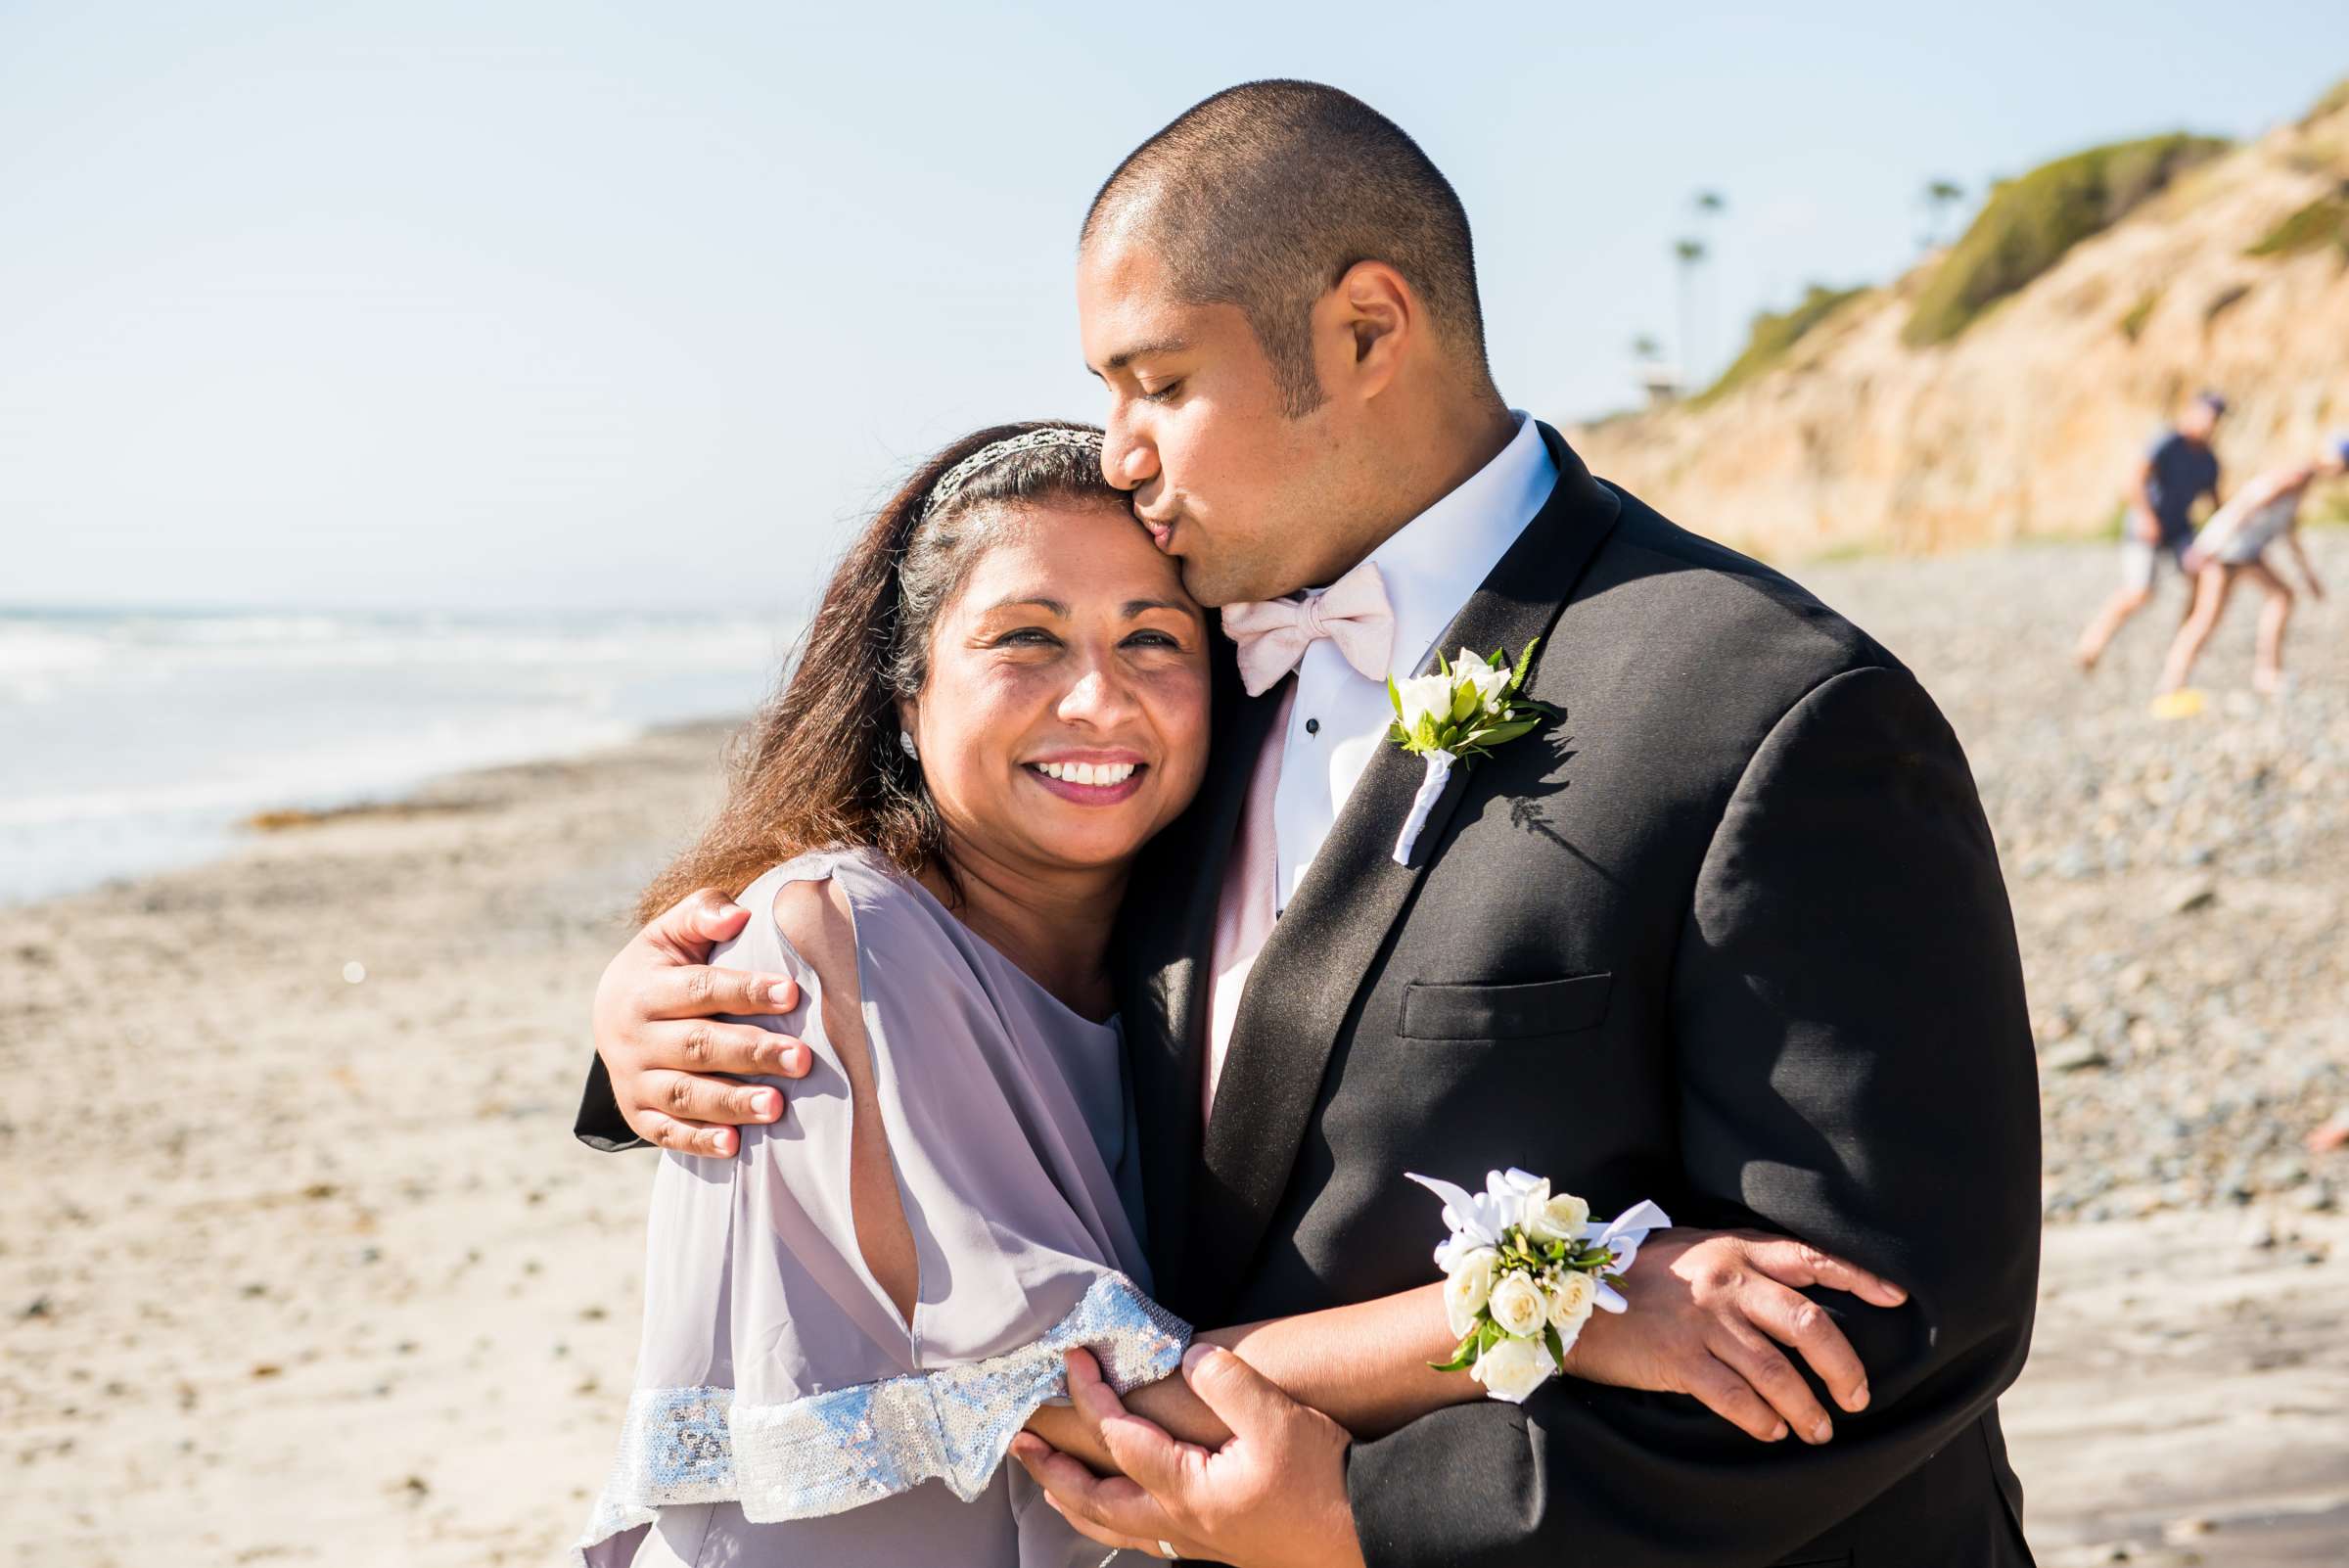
[135, 740]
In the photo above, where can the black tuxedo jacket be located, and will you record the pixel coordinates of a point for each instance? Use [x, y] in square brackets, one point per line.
[1730, 936]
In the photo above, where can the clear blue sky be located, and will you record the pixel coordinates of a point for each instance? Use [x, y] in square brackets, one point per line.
[584, 305]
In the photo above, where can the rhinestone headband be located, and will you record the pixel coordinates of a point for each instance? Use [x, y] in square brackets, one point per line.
[995, 452]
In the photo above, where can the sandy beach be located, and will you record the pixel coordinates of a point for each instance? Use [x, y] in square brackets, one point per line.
[302, 1266]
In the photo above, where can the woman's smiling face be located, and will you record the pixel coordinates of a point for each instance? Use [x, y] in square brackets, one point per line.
[1064, 718]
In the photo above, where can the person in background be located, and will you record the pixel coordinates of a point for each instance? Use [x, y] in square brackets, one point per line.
[2233, 544]
[2178, 472]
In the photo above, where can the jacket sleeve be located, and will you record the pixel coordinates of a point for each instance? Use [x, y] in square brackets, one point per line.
[1854, 1068]
[599, 1125]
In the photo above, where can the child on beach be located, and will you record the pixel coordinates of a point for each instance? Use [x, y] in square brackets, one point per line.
[2233, 544]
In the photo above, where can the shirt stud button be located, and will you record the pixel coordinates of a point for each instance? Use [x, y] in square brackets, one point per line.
[1313, 726]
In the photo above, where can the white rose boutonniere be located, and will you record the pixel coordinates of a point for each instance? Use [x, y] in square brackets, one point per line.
[1524, 1268]
[1458, 714]
[1422, 701]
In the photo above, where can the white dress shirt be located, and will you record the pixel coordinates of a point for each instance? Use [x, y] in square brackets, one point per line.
[1430, 566]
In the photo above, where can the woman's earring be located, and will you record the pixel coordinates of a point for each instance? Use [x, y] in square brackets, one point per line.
[905, 740]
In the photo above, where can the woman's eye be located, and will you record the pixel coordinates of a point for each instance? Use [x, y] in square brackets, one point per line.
[1152, 639]
[1026, 637]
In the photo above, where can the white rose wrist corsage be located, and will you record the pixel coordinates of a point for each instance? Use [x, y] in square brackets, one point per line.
[1523, 1270]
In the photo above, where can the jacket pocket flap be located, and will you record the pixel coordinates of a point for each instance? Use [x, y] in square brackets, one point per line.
[1504, 1012]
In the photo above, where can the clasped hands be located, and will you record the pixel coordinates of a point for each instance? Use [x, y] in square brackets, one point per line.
[1709, 1312]
[1272, 1495]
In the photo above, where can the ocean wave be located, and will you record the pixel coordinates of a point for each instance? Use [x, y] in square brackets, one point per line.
[44, 659]
[132, 739]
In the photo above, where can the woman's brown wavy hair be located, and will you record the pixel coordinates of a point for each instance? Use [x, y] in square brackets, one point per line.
[820, 765]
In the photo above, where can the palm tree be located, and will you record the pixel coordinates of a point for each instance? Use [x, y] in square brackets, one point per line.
[1710, 205]
[1691, 254]
[1939, 196]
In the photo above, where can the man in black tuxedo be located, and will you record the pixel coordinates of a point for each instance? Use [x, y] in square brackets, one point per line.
[1730, 935]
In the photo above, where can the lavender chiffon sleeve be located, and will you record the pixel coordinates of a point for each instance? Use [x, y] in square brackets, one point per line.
[774, 1373]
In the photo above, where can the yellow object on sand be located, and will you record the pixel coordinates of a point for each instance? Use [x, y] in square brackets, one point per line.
[2184, 703]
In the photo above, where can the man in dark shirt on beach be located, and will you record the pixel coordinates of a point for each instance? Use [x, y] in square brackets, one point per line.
[2178, 472]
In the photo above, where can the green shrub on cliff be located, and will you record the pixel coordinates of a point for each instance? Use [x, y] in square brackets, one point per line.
[2324, 222]
[1774, 333]
[2029, 223]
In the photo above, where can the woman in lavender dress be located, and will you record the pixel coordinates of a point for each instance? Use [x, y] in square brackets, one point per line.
[1002, 697]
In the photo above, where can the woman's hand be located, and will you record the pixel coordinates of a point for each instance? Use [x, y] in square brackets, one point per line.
[1710, 1310]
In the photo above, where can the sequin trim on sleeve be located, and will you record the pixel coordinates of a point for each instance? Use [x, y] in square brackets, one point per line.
[840, 1449]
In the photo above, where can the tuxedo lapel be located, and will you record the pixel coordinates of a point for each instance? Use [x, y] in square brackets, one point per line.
[1305, 980]
[1167, 933]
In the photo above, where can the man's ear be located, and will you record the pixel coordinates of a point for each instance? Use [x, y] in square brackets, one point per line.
[1373, 316]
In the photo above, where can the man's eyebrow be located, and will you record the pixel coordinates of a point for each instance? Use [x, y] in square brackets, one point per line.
[1119, 362]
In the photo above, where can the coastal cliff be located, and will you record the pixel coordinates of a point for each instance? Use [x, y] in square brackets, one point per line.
[2003, 387]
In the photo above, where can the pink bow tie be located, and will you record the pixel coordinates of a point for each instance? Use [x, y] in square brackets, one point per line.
[1353, 612]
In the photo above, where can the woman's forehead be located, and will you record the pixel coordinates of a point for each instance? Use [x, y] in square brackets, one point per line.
[1067, 551]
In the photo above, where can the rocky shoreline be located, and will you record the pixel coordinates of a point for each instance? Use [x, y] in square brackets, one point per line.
[2179, 888]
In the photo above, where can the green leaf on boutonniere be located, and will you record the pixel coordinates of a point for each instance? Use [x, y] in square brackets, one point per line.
[1557, 1346]
[1505, 732]
[1525, 661]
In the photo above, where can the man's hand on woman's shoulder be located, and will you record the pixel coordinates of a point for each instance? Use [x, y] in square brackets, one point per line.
[657, 1028]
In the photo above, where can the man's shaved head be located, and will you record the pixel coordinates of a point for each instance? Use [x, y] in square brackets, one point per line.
[1263, 196]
